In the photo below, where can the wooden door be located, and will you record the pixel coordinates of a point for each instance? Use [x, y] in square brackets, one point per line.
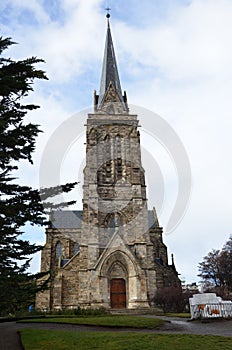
[118, 293]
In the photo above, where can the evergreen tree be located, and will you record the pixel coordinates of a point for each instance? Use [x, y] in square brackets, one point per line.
[226, 264]
[18, 204]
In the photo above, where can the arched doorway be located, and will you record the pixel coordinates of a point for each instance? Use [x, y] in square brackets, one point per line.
[119, 280]
[118, 293]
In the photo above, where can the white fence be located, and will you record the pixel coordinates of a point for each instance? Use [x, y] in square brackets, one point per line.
[211, 310]
[208, 305]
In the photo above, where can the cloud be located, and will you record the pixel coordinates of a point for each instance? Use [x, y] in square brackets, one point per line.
[68, 46]
[15, 11]
[178, 66]
[184, 67]
[193, 44]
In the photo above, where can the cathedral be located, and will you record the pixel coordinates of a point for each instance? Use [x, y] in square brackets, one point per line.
[111, 254]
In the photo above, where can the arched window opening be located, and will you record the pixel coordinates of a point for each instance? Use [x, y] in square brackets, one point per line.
[112, 226]
[115, 222]
[118, 157]
[58, 250]
[119, 168]
[107, 147]
[76, 248]
[118, 146]
[107, 157]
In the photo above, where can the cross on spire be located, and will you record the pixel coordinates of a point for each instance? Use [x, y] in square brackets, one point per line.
[108, 10]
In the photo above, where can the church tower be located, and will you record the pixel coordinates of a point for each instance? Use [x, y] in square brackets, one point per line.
[111, 254]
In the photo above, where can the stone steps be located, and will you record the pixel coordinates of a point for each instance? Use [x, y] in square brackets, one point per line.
[145, 311]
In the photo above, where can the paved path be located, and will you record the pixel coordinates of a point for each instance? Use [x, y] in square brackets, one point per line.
[9, 338]
[208, 327]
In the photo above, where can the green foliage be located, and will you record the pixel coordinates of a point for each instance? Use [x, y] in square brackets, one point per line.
[66, 340]
[18, 204]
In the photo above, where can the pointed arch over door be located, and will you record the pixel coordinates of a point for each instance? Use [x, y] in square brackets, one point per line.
[117, 266]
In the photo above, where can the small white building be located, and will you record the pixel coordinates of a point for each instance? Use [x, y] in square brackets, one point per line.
[208, 305]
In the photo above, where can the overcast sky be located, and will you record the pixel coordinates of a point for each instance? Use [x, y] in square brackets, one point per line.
[174, 58]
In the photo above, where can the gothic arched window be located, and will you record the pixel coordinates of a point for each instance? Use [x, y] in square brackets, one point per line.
[107, 155]
[107, 148]
[112, 226]
[115, 222]
[118, 146]
[58, 250]
[118, 158]
[76, 248]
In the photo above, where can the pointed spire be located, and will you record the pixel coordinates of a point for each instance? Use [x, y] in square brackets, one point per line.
[110, 76]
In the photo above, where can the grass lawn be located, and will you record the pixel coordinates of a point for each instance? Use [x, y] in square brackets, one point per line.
[110, 321]
[67, 340]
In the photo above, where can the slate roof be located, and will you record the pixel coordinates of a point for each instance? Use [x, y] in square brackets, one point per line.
[109, 70]
[66, 219]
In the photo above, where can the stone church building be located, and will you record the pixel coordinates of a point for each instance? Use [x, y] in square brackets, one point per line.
[111, 253]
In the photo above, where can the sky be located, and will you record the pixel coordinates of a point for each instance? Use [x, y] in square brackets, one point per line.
[174, 59]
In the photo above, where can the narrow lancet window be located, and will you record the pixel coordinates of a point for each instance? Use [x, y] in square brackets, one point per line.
[76, 248]
[107, 158]
[118, 147]
[58, 250]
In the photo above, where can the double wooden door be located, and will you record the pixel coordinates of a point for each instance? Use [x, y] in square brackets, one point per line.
[118, 293]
